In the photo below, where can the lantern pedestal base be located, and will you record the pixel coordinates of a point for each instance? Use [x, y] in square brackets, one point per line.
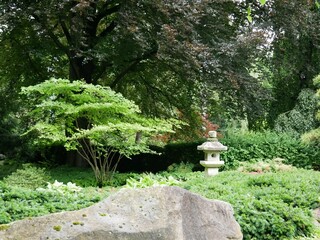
[211, 168]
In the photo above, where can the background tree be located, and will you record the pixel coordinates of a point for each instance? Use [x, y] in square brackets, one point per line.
[292, 27]
[147, 50]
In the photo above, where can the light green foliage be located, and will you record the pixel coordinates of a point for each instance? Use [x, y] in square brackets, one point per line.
[314, 135]
[28, 176]
[301, 118]
[151, 180]
[94, 120]
[262, 2]
[273, 205]
[275, 165]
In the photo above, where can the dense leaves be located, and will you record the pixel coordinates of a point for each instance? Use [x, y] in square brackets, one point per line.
[147, 50]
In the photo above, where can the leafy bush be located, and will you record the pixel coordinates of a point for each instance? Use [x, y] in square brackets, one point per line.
[267, 206]
[181, 167]
[84, 176]
[29, 177]
[8, 166]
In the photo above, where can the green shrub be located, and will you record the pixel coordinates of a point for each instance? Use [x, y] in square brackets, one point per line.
[181, 167]
[267, 206]
[28, 176]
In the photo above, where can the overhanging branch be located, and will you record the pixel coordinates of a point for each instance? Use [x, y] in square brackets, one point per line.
[131, 65]
[107, 11]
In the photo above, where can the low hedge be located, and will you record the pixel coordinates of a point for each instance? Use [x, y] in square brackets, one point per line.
[242, 147]
[251, 146]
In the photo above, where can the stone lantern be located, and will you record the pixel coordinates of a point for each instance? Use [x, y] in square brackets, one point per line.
[212, 149]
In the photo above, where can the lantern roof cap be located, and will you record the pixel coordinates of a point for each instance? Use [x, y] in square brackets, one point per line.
[212, 143]
[212, 146]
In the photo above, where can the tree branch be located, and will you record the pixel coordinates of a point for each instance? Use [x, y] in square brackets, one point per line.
[108, 29]
[65, 31]
[54, 38]
[107, 11]
[131, 66]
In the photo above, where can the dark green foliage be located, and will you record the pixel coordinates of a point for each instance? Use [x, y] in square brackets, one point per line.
[313, 137]
[183, 152]
[8, 166]
[83, 177]
[268, 145]
[144, 49]
[295, 51]
[267, 206]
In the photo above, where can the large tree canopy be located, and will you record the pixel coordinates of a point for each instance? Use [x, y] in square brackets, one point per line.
[293, 29]
[161, 54]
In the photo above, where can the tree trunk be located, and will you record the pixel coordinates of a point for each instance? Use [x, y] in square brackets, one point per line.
[79, 69]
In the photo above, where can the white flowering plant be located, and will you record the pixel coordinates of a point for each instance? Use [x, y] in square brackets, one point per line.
[62, 188]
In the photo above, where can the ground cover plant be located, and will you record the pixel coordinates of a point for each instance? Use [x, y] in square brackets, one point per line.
[19, 202]
[270, 200]
[267, 206]
[272, 205]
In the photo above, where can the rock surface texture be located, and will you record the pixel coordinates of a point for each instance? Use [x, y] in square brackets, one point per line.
[158, 213]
